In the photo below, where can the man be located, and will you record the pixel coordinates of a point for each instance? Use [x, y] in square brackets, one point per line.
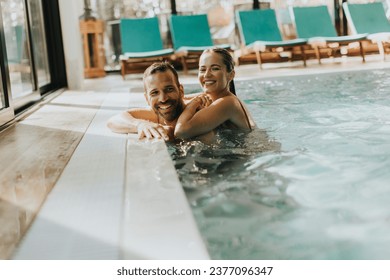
[164, 94]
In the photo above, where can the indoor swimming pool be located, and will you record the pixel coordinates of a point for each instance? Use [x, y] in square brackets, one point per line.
[313, 182]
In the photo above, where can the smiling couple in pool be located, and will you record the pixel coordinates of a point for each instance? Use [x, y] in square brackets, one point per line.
[171, 115]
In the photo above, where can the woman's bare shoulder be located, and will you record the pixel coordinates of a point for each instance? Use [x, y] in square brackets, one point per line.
[229, 100]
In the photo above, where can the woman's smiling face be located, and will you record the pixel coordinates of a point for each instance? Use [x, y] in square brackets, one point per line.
[213, 75]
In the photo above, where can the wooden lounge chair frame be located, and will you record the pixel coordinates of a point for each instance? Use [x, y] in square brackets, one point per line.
[141, 44]
[314, 24]
[370, 18]
[190, 37]
[259, 33]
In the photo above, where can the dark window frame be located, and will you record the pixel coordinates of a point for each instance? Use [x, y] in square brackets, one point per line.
[52, 20]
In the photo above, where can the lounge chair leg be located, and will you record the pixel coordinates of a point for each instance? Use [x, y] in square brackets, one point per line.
[123, 69]
[318, 54]
[303, 55]
[236, 60]
[362, 51]
[381, 49]
[258, 58]
[184, 63]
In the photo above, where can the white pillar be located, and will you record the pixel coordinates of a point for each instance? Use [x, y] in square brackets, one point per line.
[70, 10]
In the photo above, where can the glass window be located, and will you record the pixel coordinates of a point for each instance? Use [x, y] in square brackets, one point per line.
[39, 43]
[17, 47]
[1, 100]
[6, 113]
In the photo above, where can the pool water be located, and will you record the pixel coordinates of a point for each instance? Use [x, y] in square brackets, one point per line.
[313, 182]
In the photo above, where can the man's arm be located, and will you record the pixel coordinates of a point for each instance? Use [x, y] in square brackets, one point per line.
[140, 121]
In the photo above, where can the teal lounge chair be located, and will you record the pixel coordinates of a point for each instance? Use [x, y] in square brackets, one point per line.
[259, 33]
[314, 24]
[190, 37]
[141, 42]
[370, 18]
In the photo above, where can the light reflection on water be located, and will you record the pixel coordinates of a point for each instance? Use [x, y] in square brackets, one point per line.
[323, 194]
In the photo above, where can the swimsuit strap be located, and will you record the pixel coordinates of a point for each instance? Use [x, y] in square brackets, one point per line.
[246, 115]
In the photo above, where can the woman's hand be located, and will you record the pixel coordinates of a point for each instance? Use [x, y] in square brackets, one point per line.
[201, 101]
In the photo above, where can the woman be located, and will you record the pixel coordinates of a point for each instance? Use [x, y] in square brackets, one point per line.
[218, 106]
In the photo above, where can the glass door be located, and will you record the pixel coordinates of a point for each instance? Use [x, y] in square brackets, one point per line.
[32, 61]
[38, 38]
[17, 43]
[6, 109]
[6, 112]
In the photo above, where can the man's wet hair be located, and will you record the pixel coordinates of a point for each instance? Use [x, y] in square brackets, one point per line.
[161, 67]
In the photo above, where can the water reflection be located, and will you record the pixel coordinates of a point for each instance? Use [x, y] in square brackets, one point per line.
[225, 159]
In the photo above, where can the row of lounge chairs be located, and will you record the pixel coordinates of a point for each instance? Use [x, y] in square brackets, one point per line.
[259, 34]
[141, 40]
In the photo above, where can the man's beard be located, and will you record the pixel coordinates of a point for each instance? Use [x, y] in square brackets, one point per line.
[174, 114]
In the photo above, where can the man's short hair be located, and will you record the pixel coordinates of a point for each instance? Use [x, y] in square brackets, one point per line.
[162, 66]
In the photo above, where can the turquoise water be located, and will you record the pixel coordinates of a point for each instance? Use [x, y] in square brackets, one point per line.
[312, 183]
